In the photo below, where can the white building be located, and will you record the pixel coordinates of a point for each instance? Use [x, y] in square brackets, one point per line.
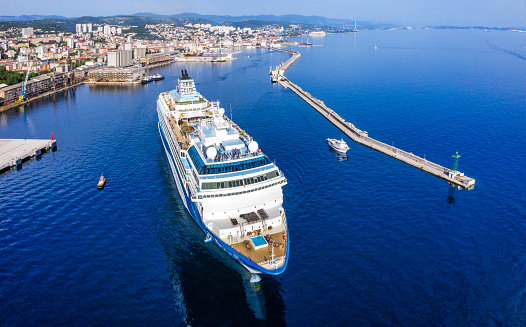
[27, 32]
[84, 28]
[107, 30]
[78, 28]
[24, 51]
[120, 58]
[139, 53]
[71, 43]
[41, 49]
[90, 27]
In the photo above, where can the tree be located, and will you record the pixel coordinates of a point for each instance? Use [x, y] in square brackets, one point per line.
[11, 79]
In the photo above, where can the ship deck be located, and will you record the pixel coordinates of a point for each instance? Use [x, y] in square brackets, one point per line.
[183, 138]
[277, 240]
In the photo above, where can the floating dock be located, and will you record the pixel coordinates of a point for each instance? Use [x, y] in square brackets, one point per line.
[14, 152]
[453, 176]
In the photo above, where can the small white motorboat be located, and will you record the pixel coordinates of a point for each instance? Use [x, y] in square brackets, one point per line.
[338, 145]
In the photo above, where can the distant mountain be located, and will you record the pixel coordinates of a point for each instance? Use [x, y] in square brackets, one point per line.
[184, 18]
[294, 19]
[59, 23]
[24, 18]
[69, 24]
[139, 20]
[259, 23]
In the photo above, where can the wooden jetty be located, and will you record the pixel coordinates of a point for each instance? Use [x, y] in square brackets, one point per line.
[14, 152]
[362, 137]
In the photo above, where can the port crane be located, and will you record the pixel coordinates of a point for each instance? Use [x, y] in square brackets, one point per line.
[22, 97]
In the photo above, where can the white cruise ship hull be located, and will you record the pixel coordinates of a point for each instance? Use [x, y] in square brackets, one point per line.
[194, 212]
[232, 190]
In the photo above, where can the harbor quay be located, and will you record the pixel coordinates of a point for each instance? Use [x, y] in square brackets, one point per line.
[15, 152]
[451, 175]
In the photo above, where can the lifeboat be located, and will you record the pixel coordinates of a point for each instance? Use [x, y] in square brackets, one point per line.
[102, 182]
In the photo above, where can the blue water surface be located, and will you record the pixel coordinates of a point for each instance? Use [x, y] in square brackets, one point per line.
[373, 241]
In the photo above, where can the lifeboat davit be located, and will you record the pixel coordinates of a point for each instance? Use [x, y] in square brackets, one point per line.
[102, 182]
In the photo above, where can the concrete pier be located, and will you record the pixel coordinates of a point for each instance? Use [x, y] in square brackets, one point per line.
[363, 138]
[14, 152]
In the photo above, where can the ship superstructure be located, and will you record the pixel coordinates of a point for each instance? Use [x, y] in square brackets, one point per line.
[230, 187]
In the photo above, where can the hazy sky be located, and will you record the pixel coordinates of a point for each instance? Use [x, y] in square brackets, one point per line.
[420, 12]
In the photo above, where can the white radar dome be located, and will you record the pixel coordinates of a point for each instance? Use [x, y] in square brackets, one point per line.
[211, 152]
[221, 111]
[253, 146]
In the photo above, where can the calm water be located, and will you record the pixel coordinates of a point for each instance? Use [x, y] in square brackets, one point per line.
[373, 241]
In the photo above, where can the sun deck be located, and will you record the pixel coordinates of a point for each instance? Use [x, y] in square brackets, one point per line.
[181, 133]
[276, 241]
[256, 235]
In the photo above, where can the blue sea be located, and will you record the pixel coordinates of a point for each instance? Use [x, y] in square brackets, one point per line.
[373, 241]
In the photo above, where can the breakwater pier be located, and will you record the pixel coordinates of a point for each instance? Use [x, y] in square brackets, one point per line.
[453, 176]
[15, 152]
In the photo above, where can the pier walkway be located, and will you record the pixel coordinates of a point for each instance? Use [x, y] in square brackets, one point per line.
[362, 137]
[14, 152]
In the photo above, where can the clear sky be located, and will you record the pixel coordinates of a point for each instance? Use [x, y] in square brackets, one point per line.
[416, 12]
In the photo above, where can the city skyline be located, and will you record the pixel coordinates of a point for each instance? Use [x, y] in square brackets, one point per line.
[411, 12]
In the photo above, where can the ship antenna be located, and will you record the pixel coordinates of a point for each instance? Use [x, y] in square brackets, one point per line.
[231, 110]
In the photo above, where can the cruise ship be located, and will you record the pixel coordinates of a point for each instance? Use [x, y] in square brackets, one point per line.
[317, 33]
[231, 189]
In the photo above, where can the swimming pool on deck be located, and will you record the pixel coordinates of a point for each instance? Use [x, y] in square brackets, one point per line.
[259, 242]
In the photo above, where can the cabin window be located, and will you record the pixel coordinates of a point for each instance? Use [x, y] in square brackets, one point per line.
[240, 182]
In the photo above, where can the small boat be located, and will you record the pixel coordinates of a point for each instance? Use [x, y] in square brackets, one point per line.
[157, 77]
[146, 80]
[338, 145]
[102, 182]
[193, 54]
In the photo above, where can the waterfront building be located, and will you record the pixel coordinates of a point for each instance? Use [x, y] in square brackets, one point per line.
[157, 58]
[139, 53]
[35, 86]
[113, 74]
[120, 58]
